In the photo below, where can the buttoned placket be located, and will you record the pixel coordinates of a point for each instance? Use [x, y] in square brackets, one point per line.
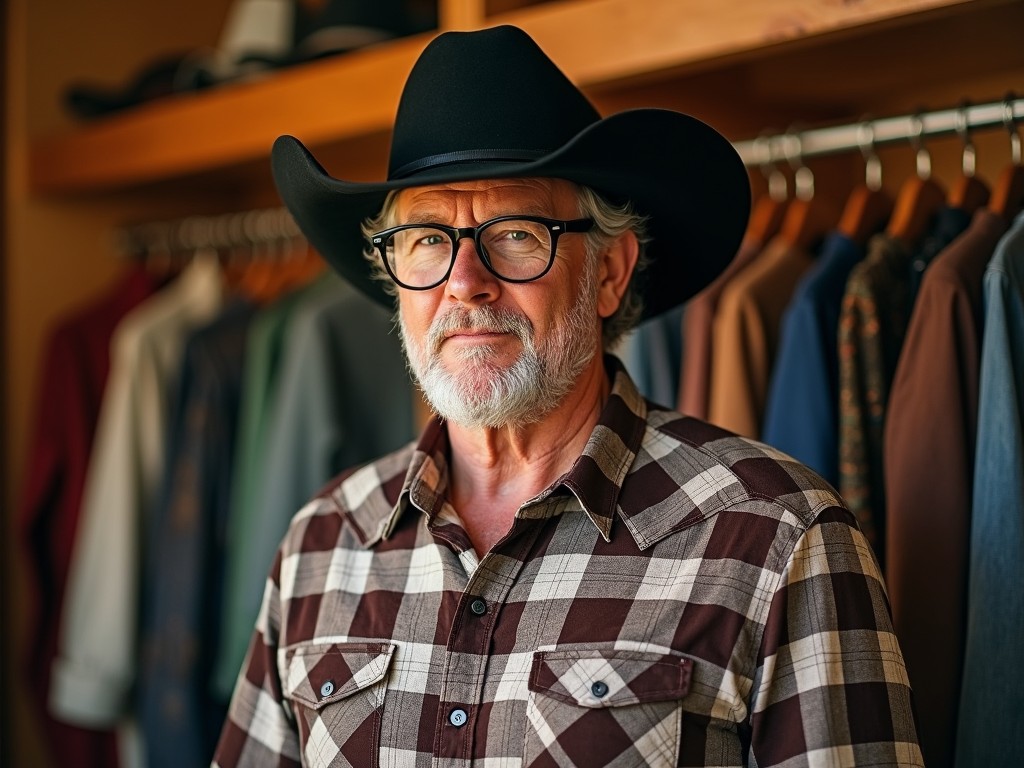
[464, 677]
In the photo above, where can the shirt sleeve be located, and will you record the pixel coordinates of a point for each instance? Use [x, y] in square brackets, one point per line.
[831, 686]
[260, 729]
[93, 671]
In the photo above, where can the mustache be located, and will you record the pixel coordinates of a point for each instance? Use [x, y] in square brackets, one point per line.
[483, 319]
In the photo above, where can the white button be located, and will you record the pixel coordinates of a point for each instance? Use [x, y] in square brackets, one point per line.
[457, 717]
[327, 689]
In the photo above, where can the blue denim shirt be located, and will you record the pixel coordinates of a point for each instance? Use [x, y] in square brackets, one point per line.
[180, 595]
[800, 416]
[989, 731]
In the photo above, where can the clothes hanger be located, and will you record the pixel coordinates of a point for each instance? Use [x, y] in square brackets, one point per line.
[868, 207]
[919, 198]
[235, 261]
[808, 218]
[155, 252]
[969, 193]
[769, 209]
[258, 279]
[1007, 198]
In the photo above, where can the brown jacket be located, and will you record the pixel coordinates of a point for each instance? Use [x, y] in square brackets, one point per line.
[929, 460]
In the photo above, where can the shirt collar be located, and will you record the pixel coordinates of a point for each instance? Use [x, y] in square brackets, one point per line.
[595, 478]
[597, 475]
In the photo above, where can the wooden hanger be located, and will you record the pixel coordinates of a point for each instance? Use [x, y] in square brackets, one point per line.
[865, 214]
[808, 218]
[919, 199]
[868, 207]
[807, 222]
[969, 193]
[1007, 198]
[916, 205]
[769, 209]
[766, 218]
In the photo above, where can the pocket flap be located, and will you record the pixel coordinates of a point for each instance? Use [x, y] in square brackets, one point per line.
[609, 678]
[322, 673]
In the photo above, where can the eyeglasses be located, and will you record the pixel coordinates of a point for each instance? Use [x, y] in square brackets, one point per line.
[516, 249]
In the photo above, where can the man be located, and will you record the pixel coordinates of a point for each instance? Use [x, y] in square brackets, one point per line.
[557, 572]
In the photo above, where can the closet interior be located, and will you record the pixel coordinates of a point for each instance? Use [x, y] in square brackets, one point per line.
[82, 195]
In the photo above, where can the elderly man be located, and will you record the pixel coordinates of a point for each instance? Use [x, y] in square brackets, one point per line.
[557, 572]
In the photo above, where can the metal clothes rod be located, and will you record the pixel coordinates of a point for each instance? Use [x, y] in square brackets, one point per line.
[784, 146]
[230, 230]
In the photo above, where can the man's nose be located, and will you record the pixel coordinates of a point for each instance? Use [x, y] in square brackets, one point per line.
[470, 282]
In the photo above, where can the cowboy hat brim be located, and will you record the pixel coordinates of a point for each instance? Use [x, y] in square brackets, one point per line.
[676, 170]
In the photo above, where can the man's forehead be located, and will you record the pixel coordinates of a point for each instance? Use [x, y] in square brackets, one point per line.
[533, 192]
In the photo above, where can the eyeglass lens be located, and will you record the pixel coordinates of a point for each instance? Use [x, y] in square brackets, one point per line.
[515, 249]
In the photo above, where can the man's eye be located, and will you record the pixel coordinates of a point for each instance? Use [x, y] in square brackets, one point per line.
[432, 240]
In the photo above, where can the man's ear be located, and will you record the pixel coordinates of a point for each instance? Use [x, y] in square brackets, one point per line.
[614, 272]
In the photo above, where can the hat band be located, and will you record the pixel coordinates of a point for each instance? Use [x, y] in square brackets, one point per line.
[471, 155]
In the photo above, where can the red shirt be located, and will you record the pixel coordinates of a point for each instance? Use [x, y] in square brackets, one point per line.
[70, 390]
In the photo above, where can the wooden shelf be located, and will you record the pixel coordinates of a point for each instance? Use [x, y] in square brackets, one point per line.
[599, 43]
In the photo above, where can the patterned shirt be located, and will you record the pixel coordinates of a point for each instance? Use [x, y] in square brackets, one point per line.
[873, 320]
[680, 597]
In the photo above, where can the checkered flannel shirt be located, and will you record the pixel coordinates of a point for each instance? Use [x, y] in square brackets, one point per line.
[681, 597]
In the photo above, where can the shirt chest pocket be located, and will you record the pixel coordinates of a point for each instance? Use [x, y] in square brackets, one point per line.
[337, 694]
[605, 708]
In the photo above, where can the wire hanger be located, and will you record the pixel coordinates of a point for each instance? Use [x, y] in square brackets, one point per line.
[769, 209]
[920, 196]
[868, 207]
[808, 218]
[969, 193]
[1008, 193]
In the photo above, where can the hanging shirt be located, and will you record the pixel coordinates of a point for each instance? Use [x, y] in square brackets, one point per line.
[746, 336]
[71, 384]
[652, 354]
[179, 716]
[872, 323]
[260, 376]
[698, 320]
[946, 226]
[801, 413]
[989, 731]
[344, 396]
[681, 596]
[95, 671]
[929, 465]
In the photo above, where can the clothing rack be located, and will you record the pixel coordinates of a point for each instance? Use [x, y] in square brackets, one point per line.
[244, 229]
[792, 146]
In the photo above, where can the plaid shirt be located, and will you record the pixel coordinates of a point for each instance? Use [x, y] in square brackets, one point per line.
[681, 597]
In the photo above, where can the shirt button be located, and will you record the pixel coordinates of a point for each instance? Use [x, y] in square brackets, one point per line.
[599, 689]
[326, 689]
[457, 717]
[478, 607]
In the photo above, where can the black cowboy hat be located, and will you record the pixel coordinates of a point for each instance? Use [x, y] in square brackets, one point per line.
[491, 104]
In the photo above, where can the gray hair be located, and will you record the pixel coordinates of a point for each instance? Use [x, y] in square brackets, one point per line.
[610, 221]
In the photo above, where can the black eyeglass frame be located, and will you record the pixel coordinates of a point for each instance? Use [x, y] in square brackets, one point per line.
[555, 227]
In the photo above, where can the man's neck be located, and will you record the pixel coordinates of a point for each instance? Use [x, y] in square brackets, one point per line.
[494, 471]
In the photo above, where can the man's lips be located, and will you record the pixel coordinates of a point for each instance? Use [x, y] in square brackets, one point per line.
[473, 333]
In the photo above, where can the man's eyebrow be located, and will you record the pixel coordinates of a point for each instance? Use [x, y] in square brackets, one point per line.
[529, 209]
[424, 217]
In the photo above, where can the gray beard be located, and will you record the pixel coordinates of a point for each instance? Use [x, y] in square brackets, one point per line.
[482, 393]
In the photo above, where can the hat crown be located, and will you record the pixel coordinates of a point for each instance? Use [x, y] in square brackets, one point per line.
[491, 95]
